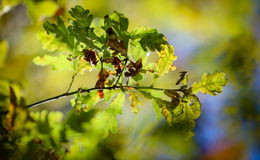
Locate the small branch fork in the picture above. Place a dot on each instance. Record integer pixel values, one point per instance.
(126, 60)
(80, 90)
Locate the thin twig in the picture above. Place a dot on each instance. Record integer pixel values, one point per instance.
(126, 60)
(65, 95)
(102, 66)
(91, 89)
(101, 60)
(72, 80)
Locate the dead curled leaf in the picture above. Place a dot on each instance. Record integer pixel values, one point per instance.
(116, 62)
(102, 77)
(117, 46)
(134, 68)
(90, 56)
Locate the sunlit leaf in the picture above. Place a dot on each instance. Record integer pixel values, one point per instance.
(195, 105)
(50, 43)
(210, 83)
(157, 109)
(135, 50)
(109, 94)
(85, 102)
(161, 107)
(183, 117)
(113, 110)
(106, 121)
(134, 101)
(185, 114)
(59, 62)
(165, 62)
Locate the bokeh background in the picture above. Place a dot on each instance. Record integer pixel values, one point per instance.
(208, 36)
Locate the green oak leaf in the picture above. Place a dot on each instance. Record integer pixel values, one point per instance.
(82, 17)
(80, 27)
(165, 62)
(113, 110)
(50, 43)
(210, 83)
(110, 94)
(185, 115)
(118, 23)
(148, 38)
(135, 50)
(106, 121)
(59, 62)
(161, 107)
(85, 102)
(157, 109)
(60, 31)
(134, 101)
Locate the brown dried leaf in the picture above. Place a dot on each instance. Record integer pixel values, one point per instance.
(117, 45)
(134, 68)
(90, 56)
(115, 61)
(102, 77)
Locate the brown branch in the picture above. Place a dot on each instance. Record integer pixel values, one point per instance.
(91, 89)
